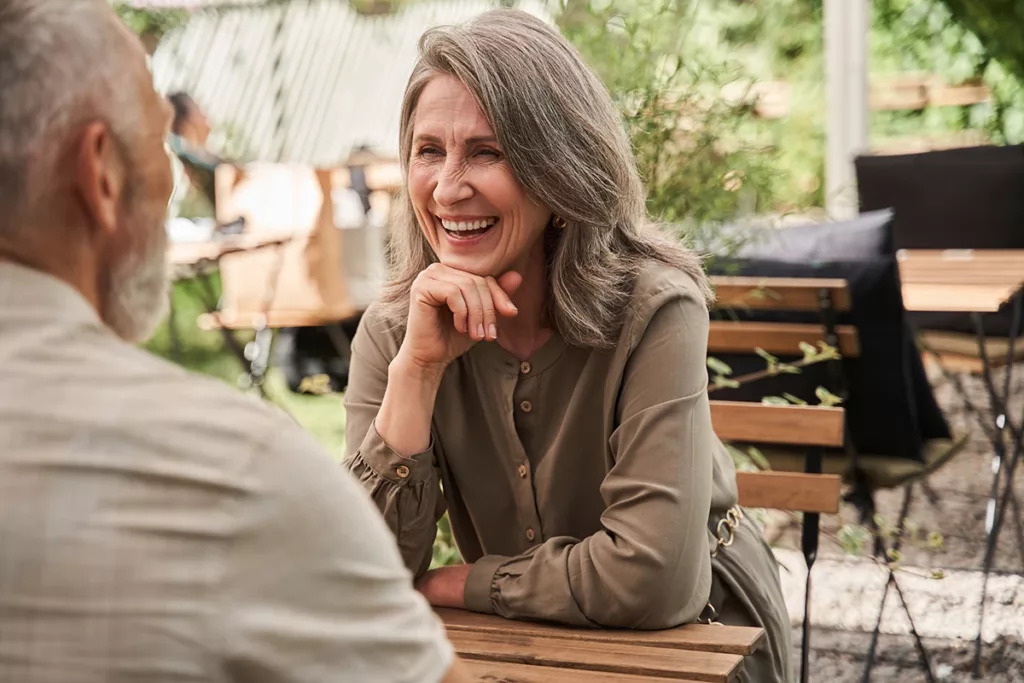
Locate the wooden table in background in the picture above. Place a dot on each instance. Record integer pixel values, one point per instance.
(975, 282)
(960, 280)
(525, 652)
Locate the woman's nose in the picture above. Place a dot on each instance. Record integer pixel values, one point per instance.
(452, 185)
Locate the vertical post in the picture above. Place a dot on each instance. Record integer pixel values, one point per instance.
(847, 23)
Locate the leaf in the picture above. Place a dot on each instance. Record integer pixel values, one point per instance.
(936, 541)
(796, 400)
(808, 350)
(853, 538)
(772, 360)
(938, 574)
(787, 369)
(894, 555)
(774, 401)
(725, 382)
(718, 367)
(757, 457)
(826, 397)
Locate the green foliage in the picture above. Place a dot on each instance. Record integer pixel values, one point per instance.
(445, 550)
(689, 138)
(150, 22)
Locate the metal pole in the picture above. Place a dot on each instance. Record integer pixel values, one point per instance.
(847, 23)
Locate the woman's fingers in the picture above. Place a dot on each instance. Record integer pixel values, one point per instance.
(448, 294)
(478, 303)
(502, 301)
(488, 304)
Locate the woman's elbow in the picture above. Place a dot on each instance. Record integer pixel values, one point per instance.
(664, 597)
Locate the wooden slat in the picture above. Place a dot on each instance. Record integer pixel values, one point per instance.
(778, 293)
(960, 298)
(759, 423)
(504, 672)
(776, 338)
(789, 491)
(635, 660)
(738, 640)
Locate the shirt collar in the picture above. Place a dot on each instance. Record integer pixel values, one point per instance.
(29, 293)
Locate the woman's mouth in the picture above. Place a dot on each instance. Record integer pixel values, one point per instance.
(467, 229)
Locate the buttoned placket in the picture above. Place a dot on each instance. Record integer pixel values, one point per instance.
(523, 403)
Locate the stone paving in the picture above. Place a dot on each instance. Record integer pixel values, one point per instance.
(847, 590)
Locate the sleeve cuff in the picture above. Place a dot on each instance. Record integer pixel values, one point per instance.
(480, 584)
(388, 464)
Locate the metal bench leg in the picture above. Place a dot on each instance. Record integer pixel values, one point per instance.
(809, 545)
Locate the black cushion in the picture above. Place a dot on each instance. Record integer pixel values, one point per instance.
(971, 198)
(866, 236)
(890, 409)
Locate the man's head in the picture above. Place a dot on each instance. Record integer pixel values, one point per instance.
(189, 121)
(84, 175)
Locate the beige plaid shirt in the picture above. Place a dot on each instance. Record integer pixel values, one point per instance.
(156, 526)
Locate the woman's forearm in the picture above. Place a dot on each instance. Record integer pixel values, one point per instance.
(403, 421)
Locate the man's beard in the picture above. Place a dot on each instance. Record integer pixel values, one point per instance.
(137, 298)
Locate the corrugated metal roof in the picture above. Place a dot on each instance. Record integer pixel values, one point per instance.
(338, 83)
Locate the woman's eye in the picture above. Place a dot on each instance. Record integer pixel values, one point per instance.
(490, 153)
(429, 151)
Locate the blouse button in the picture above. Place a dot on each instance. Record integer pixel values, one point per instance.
(522, 471)
(526, 406)
(525, 368)
(402, 471)
(530, 535)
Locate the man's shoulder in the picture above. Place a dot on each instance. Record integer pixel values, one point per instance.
(150, 399)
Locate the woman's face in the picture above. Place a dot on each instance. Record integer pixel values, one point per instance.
(474, 213)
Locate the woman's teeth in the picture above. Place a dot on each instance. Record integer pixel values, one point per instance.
(467, 229)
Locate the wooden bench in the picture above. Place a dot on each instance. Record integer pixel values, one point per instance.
(827, 297)
(528, 652)
(810, 492)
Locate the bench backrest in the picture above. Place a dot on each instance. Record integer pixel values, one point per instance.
(755, 423)
(811, 426)
(778, 294)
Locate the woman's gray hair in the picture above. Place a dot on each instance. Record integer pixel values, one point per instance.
(566, 144)
(59, 67)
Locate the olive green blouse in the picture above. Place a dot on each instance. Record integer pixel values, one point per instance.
(579, 483)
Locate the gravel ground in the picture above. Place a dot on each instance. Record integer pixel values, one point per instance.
(847, 591)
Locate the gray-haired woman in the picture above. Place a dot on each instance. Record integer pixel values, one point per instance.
(536, 366)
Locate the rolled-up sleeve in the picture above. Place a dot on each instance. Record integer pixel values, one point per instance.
(649, 566)
(406, 490)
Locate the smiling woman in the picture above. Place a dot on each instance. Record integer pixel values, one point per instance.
(539, 356)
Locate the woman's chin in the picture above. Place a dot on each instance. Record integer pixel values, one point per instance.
(468, 264)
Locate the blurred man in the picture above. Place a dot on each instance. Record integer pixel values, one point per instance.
(153, 525)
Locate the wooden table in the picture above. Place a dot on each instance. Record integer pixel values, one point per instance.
(976, 282)
(960, 280)
(189, 254)
(527, 652)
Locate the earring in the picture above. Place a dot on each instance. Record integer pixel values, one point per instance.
(558, 222)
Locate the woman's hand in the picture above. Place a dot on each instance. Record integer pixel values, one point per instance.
(450, 310)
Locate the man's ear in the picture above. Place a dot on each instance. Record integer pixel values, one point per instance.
(99, 175)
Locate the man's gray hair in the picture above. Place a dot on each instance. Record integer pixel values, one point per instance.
(59, 62)
(566, 144)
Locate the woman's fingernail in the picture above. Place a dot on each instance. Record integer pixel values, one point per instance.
(480, 330)
(493, 330)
